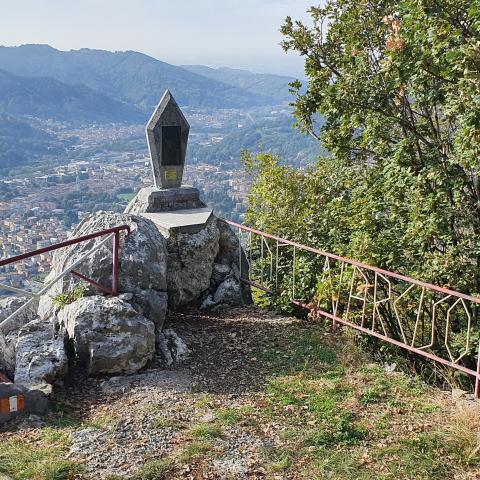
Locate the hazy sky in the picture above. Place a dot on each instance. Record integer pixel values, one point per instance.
(237, 33)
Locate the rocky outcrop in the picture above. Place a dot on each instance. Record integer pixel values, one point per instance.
(201, 266)
(31, 353)
(40, 354)
(143, 259)
(199, 263)
(172, 347)
(9, 332)
(108, 334)
(230, 266)
(151, 304)
(190, 265)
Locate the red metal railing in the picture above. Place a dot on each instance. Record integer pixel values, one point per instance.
(428, 320)
(115, 232)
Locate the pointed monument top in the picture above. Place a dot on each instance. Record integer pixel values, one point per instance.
(167, 103)
(167, 136)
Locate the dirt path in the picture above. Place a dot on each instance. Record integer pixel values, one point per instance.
(151, 415)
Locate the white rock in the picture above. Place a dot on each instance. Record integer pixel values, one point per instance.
(172, 347)
(143, 259)
(229, 293)
(9, 332)
(190, 264)
(151, 379)
(40, 354)
(108, 334)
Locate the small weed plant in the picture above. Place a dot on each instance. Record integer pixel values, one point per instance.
(66, 298)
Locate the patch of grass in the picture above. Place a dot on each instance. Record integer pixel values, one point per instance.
(229, 416)
(159, 469)
(462, 434)
(62, 415)
(103, 422)
(152, 408)
(317, 396)
(39, 457)
(372, 395)
(344, 417)
(165, 422)
(206, 430)
(194, 451)
(205, 400)
(279, 460)
(421, 457)
(327, 463)
(309, 352)
(340, 430)
(428, 408)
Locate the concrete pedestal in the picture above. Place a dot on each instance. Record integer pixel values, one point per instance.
(153, 200)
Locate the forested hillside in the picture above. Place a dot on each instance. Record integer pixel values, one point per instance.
(49, 98)
(22, 144)
(128, 77)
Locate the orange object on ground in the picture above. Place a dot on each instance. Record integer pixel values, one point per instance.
(12, 404)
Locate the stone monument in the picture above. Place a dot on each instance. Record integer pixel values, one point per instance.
(169, 203)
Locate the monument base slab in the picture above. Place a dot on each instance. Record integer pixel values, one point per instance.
(153, 200)
(181, 221)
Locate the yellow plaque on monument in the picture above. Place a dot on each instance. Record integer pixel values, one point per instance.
(170, 175)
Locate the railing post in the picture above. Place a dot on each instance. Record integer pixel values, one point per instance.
(294, 271)
(477, 378)
(240, 238)
(116, 261)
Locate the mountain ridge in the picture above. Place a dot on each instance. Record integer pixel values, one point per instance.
(46, 97)
(275, 86)
(128, 77)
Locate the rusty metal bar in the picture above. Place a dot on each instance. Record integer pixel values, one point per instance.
(67, 243)
(357, 264)
(92, 282)
(418, 351)
(115, 231)
(116, 263)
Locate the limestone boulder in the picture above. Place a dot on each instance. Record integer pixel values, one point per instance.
(143, 262)
(152, 305)
(228, 245)
(226, 286)
(220, 272)
(228, 293)
(9, 332)
(190, 265)
(108, 334)
(172, 347)
(40, 356)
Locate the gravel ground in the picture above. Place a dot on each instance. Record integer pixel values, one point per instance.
(128, 421)
(211, 416)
